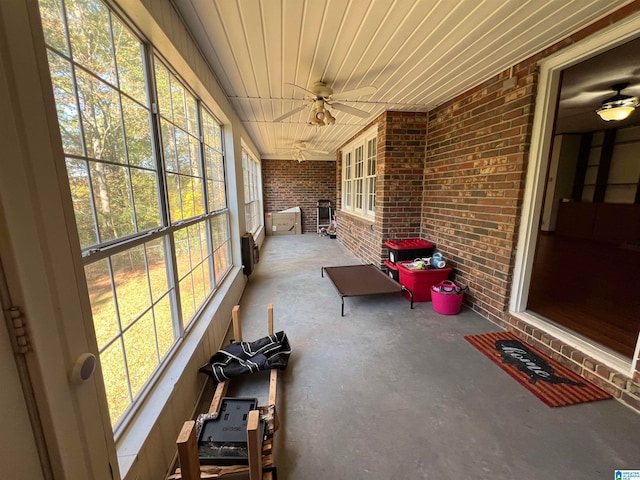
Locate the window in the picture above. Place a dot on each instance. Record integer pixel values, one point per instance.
(251, 173)
(148, 191)
(359, 175)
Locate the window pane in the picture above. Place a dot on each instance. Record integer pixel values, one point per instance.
(164, 325)
(103, 307)
(194, 155)
(178, 103)
(101, 119)
(91, 37)
(218, 198)
(78, 175)
(372, 195)
(163, 90)
(195, 244)
(186, 299)
(173, 192)
(132, 284)
(112, 200)
(169, 146)
(198, 197)
(206, 276)
(157, 268)
(183, 261)
(66, 106)
(219, 230)
(182, 150)
(145, 196)
(186, 197)
(192, 118)
(359, 193)
(198, 286)
(115, 380)
(138, 134)
(142, 353)
(53, 26)
(129, 59)
(222, 261)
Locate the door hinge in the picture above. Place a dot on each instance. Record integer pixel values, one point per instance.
(19, 337)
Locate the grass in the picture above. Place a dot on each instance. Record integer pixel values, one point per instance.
(144, 305)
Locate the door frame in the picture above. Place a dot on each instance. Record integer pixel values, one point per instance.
(539, 156)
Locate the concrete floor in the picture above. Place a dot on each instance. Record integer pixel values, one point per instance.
(386, 392)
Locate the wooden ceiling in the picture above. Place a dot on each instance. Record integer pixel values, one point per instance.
(417, 53)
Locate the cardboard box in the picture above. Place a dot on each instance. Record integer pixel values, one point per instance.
(285, 222)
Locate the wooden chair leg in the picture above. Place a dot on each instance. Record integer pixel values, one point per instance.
(188, 452)
(254, 442)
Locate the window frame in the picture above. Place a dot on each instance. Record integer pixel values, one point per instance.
(213, 245)
(252, 199)
(359, 160)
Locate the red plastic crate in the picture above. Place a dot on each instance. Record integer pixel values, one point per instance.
(392, 270)
(419, 282)
(408, 249)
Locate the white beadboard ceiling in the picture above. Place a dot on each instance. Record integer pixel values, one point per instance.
(417, 53)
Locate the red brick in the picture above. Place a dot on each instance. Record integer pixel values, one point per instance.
(590, 364)
(603, 384)
(619, 381)
(631, 400)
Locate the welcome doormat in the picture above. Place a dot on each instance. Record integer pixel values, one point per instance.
(547, 379)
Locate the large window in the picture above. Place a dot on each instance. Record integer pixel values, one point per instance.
(359, 175)
(251, 174)
(145, 166)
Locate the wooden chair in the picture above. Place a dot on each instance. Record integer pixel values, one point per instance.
(261, 455)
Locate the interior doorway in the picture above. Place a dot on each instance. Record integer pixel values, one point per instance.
(586, 268)
(551, 112)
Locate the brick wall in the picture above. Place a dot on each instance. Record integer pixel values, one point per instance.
(287, 183)
(473, 183)
(399, 170)
(477, 153)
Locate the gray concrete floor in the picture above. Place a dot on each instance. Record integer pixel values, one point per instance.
(386, 392)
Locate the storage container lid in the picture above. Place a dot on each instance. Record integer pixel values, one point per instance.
(408, 244)
(390, 265)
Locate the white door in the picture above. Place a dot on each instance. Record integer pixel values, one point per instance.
(18, 452)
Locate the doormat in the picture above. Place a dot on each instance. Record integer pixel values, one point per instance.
(547, 379)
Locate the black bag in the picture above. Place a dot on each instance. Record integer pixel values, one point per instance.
(239, 358)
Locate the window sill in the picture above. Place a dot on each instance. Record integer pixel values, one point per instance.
(145, 428)
(368, 220)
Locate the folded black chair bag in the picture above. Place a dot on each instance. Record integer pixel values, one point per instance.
(239, 358)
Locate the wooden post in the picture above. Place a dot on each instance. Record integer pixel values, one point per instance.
(221, 391)
(254, 444)
(270, 319)
(188, 452)
(237, 331)
(273, 377)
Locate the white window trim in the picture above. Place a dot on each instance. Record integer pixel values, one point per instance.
(349, 204)
(541, 138)
(253, 190)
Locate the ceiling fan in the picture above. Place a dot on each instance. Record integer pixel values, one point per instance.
(321, 95)
(300, 150)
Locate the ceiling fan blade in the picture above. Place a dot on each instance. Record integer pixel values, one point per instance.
(306, 92)
(350, 110)
(317, 151)
(353, 94)
(288, 114)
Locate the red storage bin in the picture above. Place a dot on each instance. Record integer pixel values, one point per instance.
(408, 249)
(419, 282)
(392, 270)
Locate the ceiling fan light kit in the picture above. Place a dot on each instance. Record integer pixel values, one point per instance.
(319, 115)
(619, 106)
